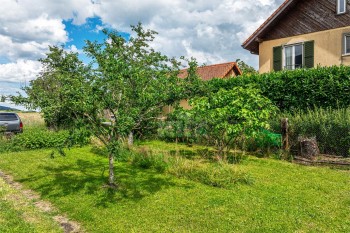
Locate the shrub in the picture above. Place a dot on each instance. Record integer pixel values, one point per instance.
(35, 139)
(40, 138)
(224, 116)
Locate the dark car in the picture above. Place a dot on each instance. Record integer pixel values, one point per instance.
(10, 122)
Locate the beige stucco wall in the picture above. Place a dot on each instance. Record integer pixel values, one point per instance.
(168, 109)
(328, 48)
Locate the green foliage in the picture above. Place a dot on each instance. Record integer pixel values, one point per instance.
(178, 127)
(120, 93)
(245, 68)
(35, 139)
(297, 89)
(58, 88)
(224, 116)
(330, 126)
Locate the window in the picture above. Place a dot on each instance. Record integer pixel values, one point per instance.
(8, 117)
(347, 44)
(341, 6)
(293, 56)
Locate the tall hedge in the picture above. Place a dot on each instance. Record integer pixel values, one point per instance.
(298, 89)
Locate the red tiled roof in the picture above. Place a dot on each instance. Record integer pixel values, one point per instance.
(248, 44)
(214, 71)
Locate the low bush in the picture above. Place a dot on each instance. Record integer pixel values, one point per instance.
(331, 127)
(34, 139)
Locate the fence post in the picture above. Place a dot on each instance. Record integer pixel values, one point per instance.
(285, 139)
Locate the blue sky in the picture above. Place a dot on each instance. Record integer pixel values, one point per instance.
(210, 31)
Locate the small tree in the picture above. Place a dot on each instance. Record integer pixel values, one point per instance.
(122, 91)
(224, 116)
(129, 86)
(57, 89)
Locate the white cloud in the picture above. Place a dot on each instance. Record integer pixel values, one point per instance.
(20, 71)
(211, 31)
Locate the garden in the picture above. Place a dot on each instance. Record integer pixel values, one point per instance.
(101, 157)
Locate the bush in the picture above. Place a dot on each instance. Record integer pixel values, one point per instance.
(34, 139)
(330, 127)
(298, 89)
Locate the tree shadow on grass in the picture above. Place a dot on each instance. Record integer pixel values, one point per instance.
(89, 178)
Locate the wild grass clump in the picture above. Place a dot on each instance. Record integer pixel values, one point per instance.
(219, 174)
(147, 160)
(331, 127)
(204, 170)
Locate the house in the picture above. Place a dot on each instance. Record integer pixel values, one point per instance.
(224, 70)
(303, 33)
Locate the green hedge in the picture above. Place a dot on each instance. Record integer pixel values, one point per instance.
(299, 89)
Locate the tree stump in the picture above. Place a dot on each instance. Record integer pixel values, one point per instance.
(308, 147)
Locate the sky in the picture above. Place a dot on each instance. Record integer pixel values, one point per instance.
(211, 31)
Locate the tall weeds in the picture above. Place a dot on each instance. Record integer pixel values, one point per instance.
(330, 126)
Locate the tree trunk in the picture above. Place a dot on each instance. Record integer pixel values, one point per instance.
(308, 147)
(131, 139)
(285, 134)
(111, 169)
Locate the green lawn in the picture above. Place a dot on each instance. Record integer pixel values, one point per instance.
(19, 214)
(283, 198)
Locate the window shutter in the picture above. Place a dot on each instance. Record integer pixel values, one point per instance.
(277, 58)
(309, 54)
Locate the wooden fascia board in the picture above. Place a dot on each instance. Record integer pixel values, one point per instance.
(266, 24)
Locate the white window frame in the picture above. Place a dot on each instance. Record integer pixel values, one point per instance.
(339, 4)
(293, 55)
(345, 36)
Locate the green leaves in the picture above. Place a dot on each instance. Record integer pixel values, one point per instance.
(297, 89)
(228, 114)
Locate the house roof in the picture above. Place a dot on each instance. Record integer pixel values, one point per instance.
(214, 71)
(252, 43)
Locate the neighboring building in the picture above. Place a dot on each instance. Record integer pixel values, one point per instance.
(224, 70)
(303, 33)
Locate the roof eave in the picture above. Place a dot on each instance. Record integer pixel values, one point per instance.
(255, 37)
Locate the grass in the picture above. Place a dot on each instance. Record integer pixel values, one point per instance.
(283, 198)
(31, 119)
(18, 214)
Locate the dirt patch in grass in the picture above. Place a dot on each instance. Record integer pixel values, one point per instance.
(67, 225)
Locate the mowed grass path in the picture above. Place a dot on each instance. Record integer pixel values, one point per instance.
(19, 214)
(283, 198)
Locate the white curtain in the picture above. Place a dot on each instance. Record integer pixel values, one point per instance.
(288, 51)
